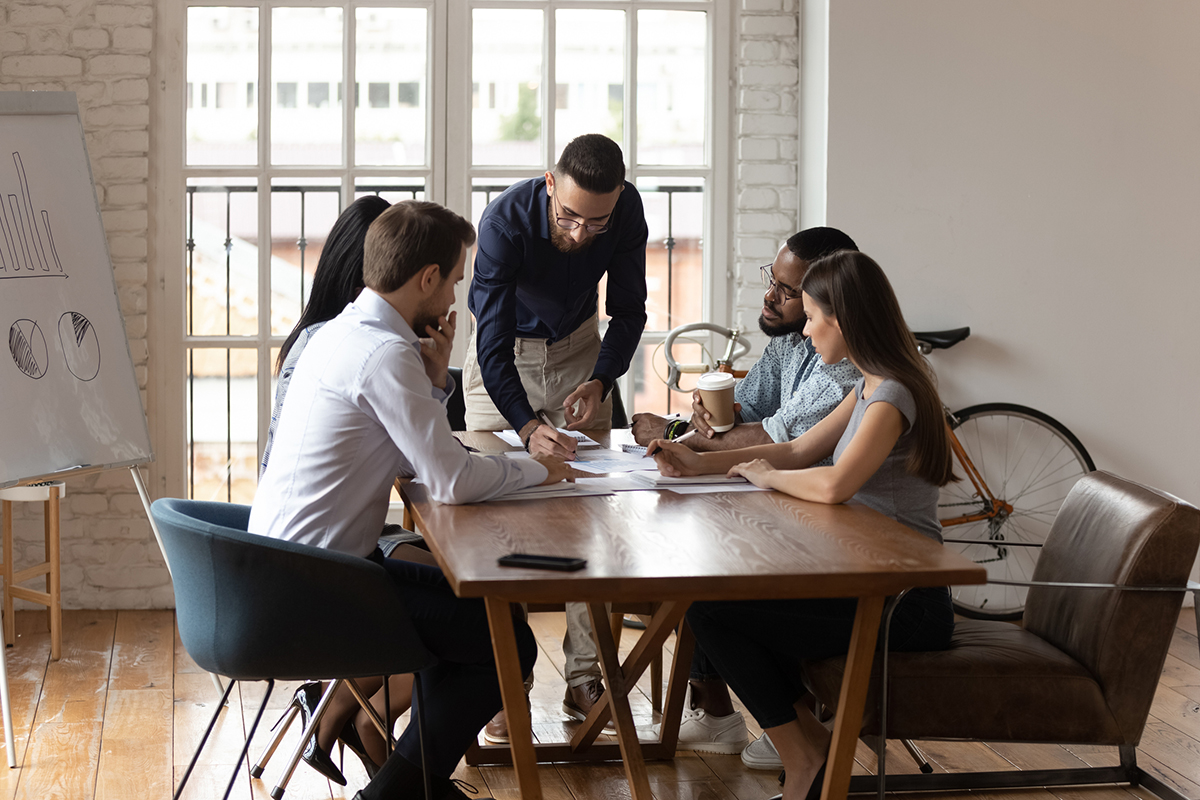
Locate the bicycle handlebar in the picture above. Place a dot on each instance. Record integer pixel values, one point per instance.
(735, 350)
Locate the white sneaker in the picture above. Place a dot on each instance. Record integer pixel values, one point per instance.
(761, 754)
(702, 731)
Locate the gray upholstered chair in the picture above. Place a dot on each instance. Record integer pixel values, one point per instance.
(1099, 619)
(253, 608)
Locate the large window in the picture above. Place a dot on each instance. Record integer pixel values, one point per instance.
(449, 102)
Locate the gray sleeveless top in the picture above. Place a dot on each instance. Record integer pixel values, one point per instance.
(892, 490)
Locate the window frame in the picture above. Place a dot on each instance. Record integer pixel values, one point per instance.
(448, 176)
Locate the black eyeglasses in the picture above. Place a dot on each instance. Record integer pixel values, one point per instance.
(568, 224)
(768, 279)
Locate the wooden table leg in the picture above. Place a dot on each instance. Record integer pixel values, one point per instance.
(512, 691)
(648, 644)
(618, 702)
(681, 670)
(853, 697)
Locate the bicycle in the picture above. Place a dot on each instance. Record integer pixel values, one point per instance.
(1033, 461)
(1017, 465)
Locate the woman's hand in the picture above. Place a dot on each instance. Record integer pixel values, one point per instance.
(758, 472)
(675, 460)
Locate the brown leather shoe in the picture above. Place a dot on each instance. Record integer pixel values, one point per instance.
(578, 702)
(496, 731)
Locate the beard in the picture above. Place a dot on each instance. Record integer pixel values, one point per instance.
(426, 316)
(780, 328)
(561, 241)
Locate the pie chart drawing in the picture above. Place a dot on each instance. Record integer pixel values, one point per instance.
(28, 348)
(80, 345)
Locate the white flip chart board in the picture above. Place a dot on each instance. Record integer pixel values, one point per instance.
(69, 397)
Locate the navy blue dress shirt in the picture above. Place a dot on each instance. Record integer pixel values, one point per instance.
(523, 286)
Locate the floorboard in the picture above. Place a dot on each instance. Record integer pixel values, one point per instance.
(119, 716)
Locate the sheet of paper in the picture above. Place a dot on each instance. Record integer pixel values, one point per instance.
(715, 488)
(664, 482)
(561, 489)
(612, 483)
(583, 440)
(602, 465)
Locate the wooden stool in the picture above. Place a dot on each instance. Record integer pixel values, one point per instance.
(48, 493)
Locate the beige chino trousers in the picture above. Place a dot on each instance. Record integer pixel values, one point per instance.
(548, 373)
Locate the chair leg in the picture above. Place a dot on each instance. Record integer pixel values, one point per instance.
(917, 756)
(195, 756)
(307, 734)
(7, 709)
(282, 726)
(10, 630)
(419, 711)
(53, 580)
(250, 735)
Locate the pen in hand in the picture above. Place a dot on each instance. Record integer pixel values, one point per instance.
(683, 438)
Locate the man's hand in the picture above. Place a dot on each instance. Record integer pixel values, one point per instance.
(701, 416)
(435, 349)
(559, 470)
(544, 440)
(588, 396)
(648, 427)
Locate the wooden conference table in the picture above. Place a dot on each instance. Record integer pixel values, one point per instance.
(673, 549)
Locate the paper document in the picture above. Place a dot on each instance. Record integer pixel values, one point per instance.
(511, 437)
(663, 482)
(600, 460)
(553, 490)
(714, 488)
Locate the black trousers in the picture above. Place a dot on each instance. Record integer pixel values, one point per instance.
(461, 692)
(757, 645)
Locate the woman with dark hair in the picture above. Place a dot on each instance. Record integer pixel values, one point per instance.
(337, 281)
(890, 452)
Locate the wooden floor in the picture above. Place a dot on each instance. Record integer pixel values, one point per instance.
(119, 716)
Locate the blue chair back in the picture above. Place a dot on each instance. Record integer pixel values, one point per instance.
(254, 608)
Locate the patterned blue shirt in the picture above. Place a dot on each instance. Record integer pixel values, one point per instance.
(790, 388)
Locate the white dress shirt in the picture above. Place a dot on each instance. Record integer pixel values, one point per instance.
(359, 412)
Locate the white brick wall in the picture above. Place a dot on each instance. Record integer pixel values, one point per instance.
(766, 147)
(100, 51)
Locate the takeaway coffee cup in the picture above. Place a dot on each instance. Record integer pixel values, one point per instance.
(716, 392)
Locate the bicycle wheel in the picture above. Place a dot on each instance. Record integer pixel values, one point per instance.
(1027, 460)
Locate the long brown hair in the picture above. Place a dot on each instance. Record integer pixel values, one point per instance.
(852, 288)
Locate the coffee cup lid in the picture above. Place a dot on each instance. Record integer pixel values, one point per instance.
(715, 381)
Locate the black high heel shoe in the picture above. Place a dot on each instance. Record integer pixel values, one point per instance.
(306, 699)
(814, 791)
(349, 738)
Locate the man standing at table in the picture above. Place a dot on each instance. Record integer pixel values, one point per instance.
(536, 355)
(367, 403)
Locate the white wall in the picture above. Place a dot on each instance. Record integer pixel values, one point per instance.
(1031, 168)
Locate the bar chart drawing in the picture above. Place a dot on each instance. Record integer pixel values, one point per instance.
(28, 249)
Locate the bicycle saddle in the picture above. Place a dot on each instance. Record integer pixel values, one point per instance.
(940, 340)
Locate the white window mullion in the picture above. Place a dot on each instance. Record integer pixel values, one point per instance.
(550, 23)
(631, 148)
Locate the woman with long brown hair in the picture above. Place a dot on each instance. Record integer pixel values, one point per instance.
(890, 452)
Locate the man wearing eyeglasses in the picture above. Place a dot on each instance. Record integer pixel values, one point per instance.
(536, 361)
(789, 389)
